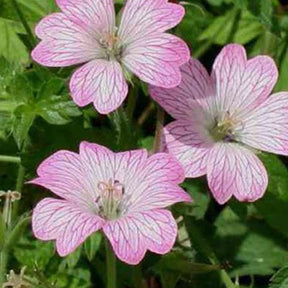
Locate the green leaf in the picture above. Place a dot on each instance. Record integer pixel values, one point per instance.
(280, 279)
(215, 2)
(195, 21)
(52, 87)
(36, 9)
(33, 10)
(177, 262)
(21, 90)
(23, 119)
(51, 105)
(201, 196)
(147, 143)
(219, 30)
(30, 251)
(72, 278)
(71, 260)
(57, 110)
(250, 245)
(11, 47)
(92, 245)
(273, 206)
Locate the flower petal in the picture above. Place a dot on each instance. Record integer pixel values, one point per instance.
(186, 141)
(156, 59)
(148, 183)
(143, 17)
(266, 127)
(64, 42)
(164, 167)
(193, 93)
(100, 161)
(63, 174)
(155, 185)
(132, 236)
(101, 82)
(242, 85)
(235, 170)
(96, 16)
(64, 222)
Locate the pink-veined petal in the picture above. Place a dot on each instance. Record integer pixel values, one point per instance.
(64, 42)
(156, 59)
(147, 183)
(266, 127)
(187, 141)
(63, 174)
(143, 17)
(101, 82)
(242, 85)
(64, 222)
(155, 186)
(95, 16)
(155, 196)
(234, 170)
(100, 161)
(193, 93)
(128, 164)
(132, 236)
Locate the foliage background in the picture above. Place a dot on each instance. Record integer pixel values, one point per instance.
(37, 117)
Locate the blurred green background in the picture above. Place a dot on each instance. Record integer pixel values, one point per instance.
(37, 117)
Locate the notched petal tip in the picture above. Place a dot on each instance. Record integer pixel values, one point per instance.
(96, 148)
(171, 165)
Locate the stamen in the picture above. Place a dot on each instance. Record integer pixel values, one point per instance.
(224, 128)
(110, 198)
(111, 45)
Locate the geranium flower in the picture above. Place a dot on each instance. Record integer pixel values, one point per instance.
(86, 32)
(122, 193)
(223, 119)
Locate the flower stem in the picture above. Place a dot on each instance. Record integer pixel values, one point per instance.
(204, 247)
(19, 187)
(3, 265)
(110, 266)
(25, 24)
(132, 97)
(159, 129)
(10, 159)
(20, 178)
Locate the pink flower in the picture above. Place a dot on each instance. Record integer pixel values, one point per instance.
(222, 119)
(122, 193)
(86, 32)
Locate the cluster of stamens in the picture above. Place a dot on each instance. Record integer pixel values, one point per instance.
(110, 45)
(224, 129)
(110, 199)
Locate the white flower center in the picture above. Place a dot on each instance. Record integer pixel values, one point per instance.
(111, 45)
(224, 128)
(110, 198)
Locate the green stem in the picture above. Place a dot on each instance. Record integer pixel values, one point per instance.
(3, 266)
(159, 129)
(10, 159)
(20, 178)
(28, 30)
(132, 97)
(204, 247)
(19, 187)
(110, 266)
